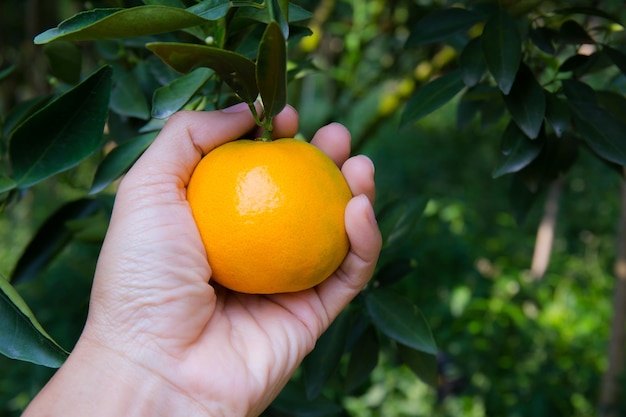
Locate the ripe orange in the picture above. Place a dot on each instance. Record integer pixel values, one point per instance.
(270, 214)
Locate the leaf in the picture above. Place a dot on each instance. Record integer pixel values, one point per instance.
(236, 70)
(440, 25)
(502, 47)
(424, 365)
(400, 319)
(601, 130)
(116, 23)
(320, 364)
(617, 57)
(276, 15)
(6, 72)
(576, 90)
(119, 160)
(211, 9)
(398, 218)
(127, 98)
(271, 70)
(296, 14)
(472, 62)
(363, 359)
(589, 11)
(518, 149)
(21, 335)
(6, 184)
(613, 102)
(526, 102)
(63, 133)
(577, 63)
(432, 96)
(557, 113)
(51, 239)
(21, 112)
(543, 38)
(172, 97)
(393, 271)
(571, 32)
(65, 61)
(292, 401)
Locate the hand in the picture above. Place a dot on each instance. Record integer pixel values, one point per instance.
(159, 340)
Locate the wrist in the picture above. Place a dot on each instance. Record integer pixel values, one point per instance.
(96, 381)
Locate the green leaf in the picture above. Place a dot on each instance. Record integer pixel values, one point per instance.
(293, 401)
(400, 319)
(398, 218)
(236, 70)
(432, 96)
(211, 9)
(128, 99)
(589, 11)
(271, 70)
(6, 72)
(51, 239)
(6, 184)
(557, 113)
(21, 335)
(572, 33)
(441, 25)
(119, 160)
(518, 151)
(65, 61)
(276, 15)
(543, 38)
(296, 14)
(320, 364)
(172, 97)
(63, 133)
(21, 112)
(393, 271)
(502, 47)
(424, 365)
(613, 102)
(472, 62)
(617, 57)
(578, 63)
(602, 131)
(526, 102)
(576, 90)
(363, 359)
(120, 23)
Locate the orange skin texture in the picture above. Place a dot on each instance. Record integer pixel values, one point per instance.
(270, 214)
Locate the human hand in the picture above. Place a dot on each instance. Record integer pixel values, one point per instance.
(159, 340)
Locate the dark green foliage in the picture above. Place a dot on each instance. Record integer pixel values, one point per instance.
(521, 91)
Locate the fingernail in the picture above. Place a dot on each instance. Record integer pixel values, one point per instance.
(237, 108)
(371, 216)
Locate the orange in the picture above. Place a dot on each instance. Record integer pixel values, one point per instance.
(270, 214)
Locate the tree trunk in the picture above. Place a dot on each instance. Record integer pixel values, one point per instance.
(545, 232)
(609, 395)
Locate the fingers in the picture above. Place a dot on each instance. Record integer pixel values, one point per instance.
(334, 140)
(358, 266)
(359, 174)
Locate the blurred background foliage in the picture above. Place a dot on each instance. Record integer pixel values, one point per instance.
(509, 343)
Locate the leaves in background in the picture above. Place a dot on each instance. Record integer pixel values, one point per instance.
(120, 23)
(293, 401)
(589, 11)
(271, 70)
(52, 236)
(526, 102)
(319, 365)
(236, 70)
(571, 32)
(128, 99)
(432, 96)
(557, 113)
(63, 133)
(363, 359)
(518, 151)
(172, 97)
(442, 24)
(399, 319)
(617, 57)
(502, 47)
(211, 10)
(472, 62)
(423, 364)
(21, 335)
(119, 160)
(65, 61)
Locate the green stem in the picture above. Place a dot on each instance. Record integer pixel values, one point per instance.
(268, 129)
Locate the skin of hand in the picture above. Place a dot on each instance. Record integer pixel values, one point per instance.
(159, 340)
